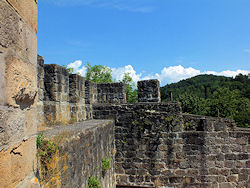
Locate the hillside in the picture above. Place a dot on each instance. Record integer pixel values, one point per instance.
(213, 96)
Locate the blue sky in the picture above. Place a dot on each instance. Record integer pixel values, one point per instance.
(165, 39)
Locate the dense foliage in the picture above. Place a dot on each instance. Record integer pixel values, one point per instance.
(131, 93)
(98, 73)
(213, 96)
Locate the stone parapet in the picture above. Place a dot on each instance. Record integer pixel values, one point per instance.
(149, 91)
(111, 93)
(82, 150)
(158, 146)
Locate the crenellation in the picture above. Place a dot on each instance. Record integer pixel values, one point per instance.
(67, 98)
(149, 91)
(111, 93)
(148, 144)
(157, 147)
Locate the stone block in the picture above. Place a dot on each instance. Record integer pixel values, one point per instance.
(232, 178)
(56, 83)
(31, 121)
(17, 162)
(21, 83)
(17, 38)
(111, 93)
(27, 10)
(226, 185)
(149, 91)
(12, 126)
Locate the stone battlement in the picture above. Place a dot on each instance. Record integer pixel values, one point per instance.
(67, 98)
(53, 132)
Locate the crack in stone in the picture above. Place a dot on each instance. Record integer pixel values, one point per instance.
(16, 153)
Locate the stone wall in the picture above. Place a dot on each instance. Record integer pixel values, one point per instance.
(149, 91)
(65, 98)
(111, 93)
(77, 98)
(81, 151)
(159, 146)
(18, 92)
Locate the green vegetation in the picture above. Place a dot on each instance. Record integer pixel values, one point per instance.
(39, 140)
(131, 93)
(188, 125)
(45, 149)
(106, 165)
(93, 182)
(47, 152)
(213, 96)
(70, 70)
(135, 123)
(169, 118)
(102, 74)
(98, 73)
(147, 122)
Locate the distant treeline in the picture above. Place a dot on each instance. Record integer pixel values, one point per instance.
(213, 96)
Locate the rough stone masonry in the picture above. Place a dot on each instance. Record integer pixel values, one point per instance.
(18, 92)
(151, 144)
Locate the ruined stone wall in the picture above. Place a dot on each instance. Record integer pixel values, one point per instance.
(81, 150)
(18, 92)
(159, 146)
(111, 93)
(149, 91)
(65, 98)
(77, 98)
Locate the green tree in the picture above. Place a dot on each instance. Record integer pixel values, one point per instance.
(131, 93)
(98, 73)
(70, 70)
(193, 104)
(209, 94)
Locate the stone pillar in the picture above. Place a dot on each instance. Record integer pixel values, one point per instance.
(77, 98)
(111, 93)
(90, 98)
(149, 91)
(18, 92)
(56, 95)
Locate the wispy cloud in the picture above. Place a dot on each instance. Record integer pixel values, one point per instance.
(247, 50)
(167, 75)
(143, 6)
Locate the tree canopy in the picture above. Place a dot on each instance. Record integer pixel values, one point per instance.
(131, 92)
(98, 73)
(213, 96)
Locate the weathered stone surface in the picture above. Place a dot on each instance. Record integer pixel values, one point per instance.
(17, 46)
(27, 10)
(149, 91)
(111, 93)
(81, 149)
(17, 162)
(12, 126)
(18, 91)
(21, 84)
(156, 144)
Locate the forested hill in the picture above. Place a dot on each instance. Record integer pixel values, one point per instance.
(213, 96)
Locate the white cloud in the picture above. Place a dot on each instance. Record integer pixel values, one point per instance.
(228, 73)
(78, 68)
(176, 73)
(167, 75)
(117, 73)
(247, 50)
